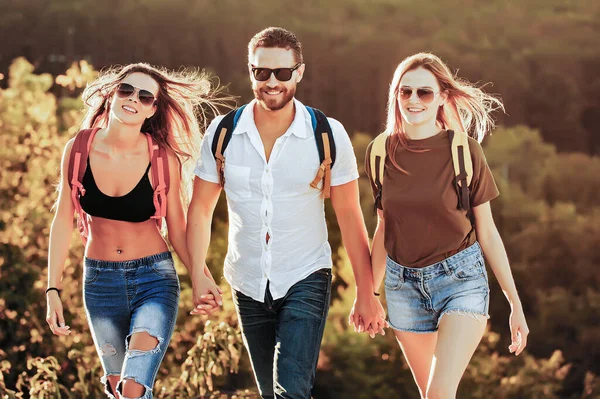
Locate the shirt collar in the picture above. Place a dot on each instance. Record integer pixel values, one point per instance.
(299, 126)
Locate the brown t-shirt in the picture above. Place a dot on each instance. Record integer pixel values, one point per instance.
(422, 223)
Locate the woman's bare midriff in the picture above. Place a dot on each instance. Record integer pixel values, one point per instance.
(114, 240)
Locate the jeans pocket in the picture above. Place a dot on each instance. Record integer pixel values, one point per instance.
(469, 271)
(164, 268)
(90, 275)
(392, 281)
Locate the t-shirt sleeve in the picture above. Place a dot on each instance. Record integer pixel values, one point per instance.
(483, 186)
(368, 172)
(344, 169)
(206, 166)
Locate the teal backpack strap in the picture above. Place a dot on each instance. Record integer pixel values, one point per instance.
(325, 146)
(221, 140)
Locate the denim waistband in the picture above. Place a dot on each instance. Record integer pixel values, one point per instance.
(447, 265)
(127, 264)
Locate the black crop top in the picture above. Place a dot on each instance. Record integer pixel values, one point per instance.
(135, 206)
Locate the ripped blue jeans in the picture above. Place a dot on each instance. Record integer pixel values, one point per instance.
(124, 298)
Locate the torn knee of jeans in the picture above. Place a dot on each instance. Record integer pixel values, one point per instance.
(132, 352)
(477, 316)
(107, 389)
(107, 349)
(120, 388)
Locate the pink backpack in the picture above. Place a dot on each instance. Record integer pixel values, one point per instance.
(78, 164)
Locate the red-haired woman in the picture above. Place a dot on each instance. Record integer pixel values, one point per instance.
(131, 289)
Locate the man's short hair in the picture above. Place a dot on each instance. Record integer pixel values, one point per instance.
(273, 37)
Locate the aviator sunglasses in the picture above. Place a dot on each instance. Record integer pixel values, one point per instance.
(281, 74)
(125, 90)
(425, 95)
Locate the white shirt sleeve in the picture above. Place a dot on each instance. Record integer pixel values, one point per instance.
(206, 167)
(344, 169)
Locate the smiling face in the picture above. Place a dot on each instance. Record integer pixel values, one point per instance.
(273, 94)
(419, 97)
(129, 110)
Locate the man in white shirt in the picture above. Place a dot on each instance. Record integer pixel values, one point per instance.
(279, 261)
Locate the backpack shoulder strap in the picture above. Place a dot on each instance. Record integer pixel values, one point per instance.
(159, 166)
(325, 146)
(321, 125)
(463, 168)
(79, 155)
(221, 140)
(77, 165)
(377, 165)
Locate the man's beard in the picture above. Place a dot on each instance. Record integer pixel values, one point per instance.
(273, 104)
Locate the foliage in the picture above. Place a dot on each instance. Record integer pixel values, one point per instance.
(547, 214)
(540, 55)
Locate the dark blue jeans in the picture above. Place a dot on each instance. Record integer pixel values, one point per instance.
(283, 336)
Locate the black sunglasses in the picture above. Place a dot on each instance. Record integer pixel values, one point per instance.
(424, 94)
(125, 90)
(281, 74)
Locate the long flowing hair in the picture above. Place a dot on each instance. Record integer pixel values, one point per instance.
(467, 108)
(186, 100)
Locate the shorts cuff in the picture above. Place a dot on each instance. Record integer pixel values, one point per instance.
(410, 330)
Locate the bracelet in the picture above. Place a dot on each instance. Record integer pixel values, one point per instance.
(376, 293)
(53, 289)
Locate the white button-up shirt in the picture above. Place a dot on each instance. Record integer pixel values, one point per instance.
(275, 198)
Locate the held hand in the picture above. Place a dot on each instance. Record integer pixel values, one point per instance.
(54, 315)
(206, 294)
(518, 330)
(207, 305)
(368, 315)
(381, 322)
(354, 320)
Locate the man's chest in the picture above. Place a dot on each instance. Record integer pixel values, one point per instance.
(291, 167)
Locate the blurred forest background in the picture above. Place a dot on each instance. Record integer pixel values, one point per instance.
(544, 61)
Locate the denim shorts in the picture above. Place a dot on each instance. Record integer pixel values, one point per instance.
(123, 298)
(417, 298)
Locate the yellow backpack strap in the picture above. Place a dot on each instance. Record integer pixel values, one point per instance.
(463, 168)
(377, 165)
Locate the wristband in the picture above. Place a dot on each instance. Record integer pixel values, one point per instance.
(53, 289)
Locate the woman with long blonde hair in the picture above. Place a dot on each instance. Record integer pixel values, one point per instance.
(125, 189)
(431, 250)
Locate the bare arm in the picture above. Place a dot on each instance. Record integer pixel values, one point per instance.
(60, 238)
(176, 224)
(495, 254)
(346, 203)
(200, 214)
(378, 254)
